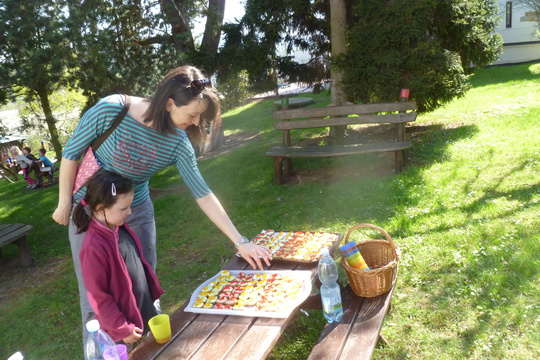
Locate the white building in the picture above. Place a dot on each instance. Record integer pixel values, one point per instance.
(518, 27)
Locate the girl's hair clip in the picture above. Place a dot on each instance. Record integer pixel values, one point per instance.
(113, 189)
(83, 202)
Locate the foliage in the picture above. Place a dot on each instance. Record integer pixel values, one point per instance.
(234, 91)
(427, 46)
(34, 53)
(109, 58)
(65, 104)
(268, 28)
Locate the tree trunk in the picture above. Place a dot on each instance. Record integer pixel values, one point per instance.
(338, 23)
(51, 122)
(212, 32)
(181, 33)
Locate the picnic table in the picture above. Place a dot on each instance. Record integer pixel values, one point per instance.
(204, 336)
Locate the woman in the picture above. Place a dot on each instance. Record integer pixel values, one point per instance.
(153, 135)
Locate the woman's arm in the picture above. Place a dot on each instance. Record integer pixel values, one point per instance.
(68, 170)
(250, 252)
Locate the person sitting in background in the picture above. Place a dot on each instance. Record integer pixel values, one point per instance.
(33, 165)
(48, 165)
(24, 163)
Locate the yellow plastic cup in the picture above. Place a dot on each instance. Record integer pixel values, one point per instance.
(160, 325)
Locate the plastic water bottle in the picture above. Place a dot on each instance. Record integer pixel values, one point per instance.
(330, 292)
(99, 345)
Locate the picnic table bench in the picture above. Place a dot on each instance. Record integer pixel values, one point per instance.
(204, 336)
(398, 113)
(16, 234)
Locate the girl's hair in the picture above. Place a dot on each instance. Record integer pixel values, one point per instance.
(28, 149)
(15, 150)
(102, 189)
(176, 85)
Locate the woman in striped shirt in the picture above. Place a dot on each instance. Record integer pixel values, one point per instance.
(154, 134)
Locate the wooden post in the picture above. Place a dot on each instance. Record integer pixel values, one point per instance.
(400, 155)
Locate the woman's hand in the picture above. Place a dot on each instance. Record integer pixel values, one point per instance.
(254, 253)
(61, 214)
(134, 336)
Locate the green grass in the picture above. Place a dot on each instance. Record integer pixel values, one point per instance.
(464, 213)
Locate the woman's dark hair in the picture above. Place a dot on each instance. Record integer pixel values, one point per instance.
(176, 85)
(102, 189)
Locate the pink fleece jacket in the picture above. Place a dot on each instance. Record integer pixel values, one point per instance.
(107, 281)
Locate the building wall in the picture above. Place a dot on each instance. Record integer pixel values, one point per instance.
(517, 31)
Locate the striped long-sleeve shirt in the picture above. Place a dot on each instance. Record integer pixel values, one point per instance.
(133, 149)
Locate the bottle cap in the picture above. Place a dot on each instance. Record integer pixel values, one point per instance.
(347, 246)
(92, 326)
(325, 252)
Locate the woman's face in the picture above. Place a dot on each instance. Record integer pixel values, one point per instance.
(183, 117)
(116, 215)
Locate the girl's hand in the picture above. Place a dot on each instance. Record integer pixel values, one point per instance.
(254, 253)
(134, 337)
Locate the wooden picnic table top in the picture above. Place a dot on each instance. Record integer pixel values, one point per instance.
(204, 336)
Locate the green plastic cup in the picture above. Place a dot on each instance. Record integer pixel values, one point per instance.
(160, 325)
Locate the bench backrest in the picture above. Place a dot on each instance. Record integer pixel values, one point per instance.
(334, 115)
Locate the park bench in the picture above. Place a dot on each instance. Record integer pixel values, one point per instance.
(16, 234)
(398, 113)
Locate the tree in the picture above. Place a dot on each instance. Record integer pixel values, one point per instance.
(428, 46)
(33, 53)
(268, 28)
(127, 46)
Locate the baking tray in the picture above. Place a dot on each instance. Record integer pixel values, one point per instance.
(303, 293)
(337, 240)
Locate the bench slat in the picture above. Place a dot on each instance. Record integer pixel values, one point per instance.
(361, 119)
(341, 110)
(334, 150)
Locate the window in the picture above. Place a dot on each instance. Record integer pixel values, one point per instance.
(509, 14)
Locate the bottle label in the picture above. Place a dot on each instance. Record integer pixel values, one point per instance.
(332, 305)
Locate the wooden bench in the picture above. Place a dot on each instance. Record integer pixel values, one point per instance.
(398, 113)
(16, 234)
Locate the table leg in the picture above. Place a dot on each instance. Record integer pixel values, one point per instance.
(24, 252)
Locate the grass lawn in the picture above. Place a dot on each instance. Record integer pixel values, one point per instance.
(464, 212)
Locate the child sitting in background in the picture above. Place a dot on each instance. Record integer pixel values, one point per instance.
(47, 164)
(33, 165)
(121, 285)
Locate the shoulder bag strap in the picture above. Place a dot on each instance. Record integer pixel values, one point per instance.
(97, 143)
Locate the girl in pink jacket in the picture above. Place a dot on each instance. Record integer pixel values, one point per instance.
(121, 285)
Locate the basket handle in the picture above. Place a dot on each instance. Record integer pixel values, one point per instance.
(375, 227)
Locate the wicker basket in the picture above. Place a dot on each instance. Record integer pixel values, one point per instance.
(382, 257)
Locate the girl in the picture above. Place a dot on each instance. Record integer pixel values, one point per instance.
(121, 285)
(24, 163)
